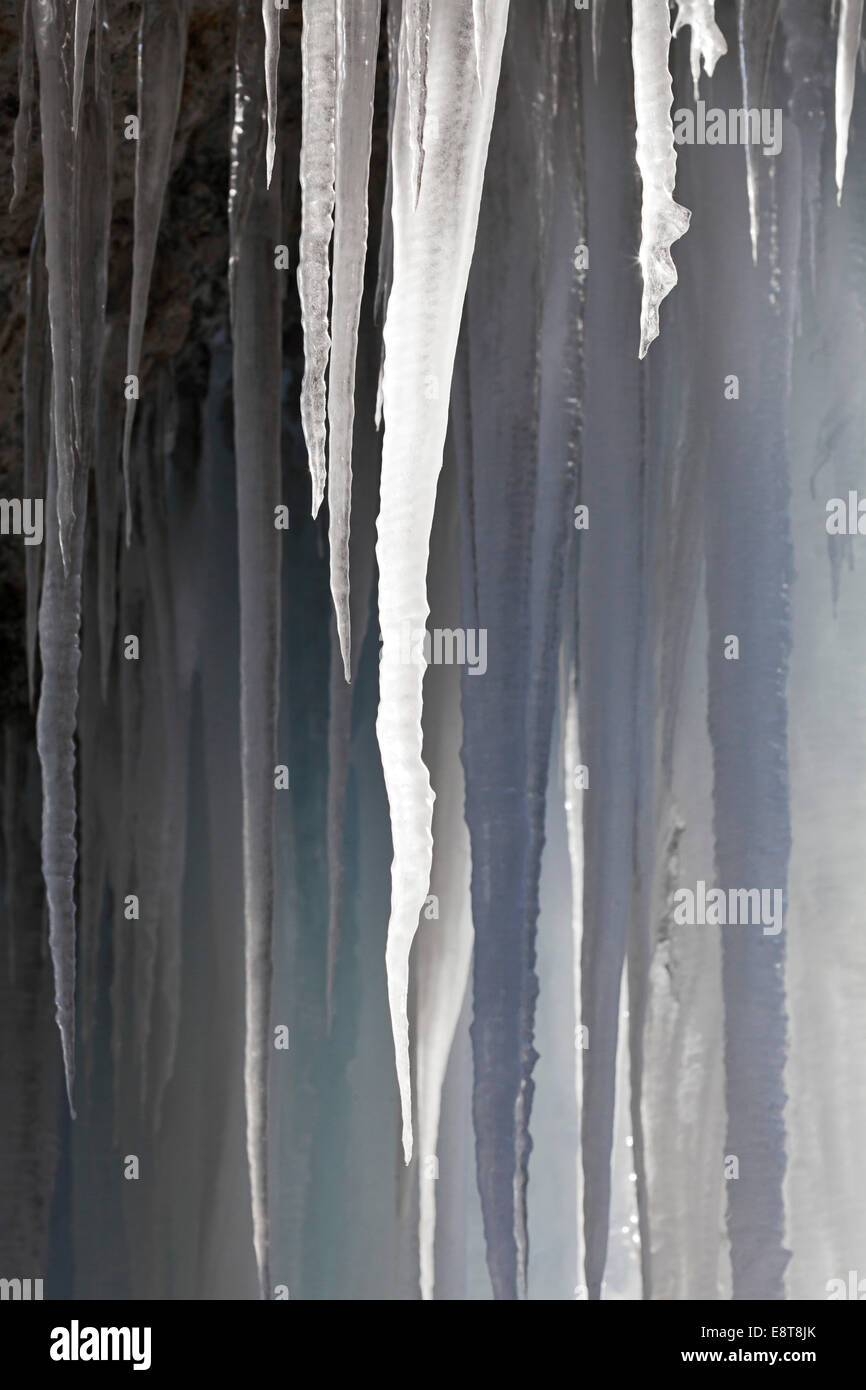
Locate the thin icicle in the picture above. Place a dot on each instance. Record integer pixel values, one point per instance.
(574, 829)
(271, 21)
(357, 41)
(26, 99)
(416, 17)
(161, 60)
(848, 46)
(36, 395)
(256, 317)
(755, 28)
(59, 621)
(708, 43)
(433, 244)
(317, 174)
(386, 242)
(83, 16)
(663, 221)
(53, 33)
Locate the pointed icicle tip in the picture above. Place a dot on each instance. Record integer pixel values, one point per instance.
(417, 43)
(708, 43)
(847, 49)
(271, 21)
(663, 221)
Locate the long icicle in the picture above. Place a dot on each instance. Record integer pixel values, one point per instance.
(662, 219)
(357, 41)
(52, 24)
(256, 314)
(271, 21)
(37, 424)
(317, 221)
(433, 245)
(161, 61)
(847, 49)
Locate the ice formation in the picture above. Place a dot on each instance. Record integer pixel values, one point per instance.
(233, 774)
(663, 221)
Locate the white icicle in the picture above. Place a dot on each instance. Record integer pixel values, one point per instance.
(83, 16)
(444, 950)
(317, 174)
(847, 48)
(271, 21)
(357, 41)
(662, 219)
(708, 43)
(479, 21)
(416, 17)
(433, 245)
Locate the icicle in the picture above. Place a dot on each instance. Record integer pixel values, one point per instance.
(807, 31)
(36, 396)
(317, 176)
(560, 396)
(850, 24)
(433, 243)
(663, 221)
(59, 621)
(574, 830)
(256, 314)
(444, 950)
(271, 21)
(53, 29)
(83, 16)
(386, 242)
(161, 61)
(479, 23)
(357, 42)
(708, 43)
(26, 98)
(755, 28)
(416, 18)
